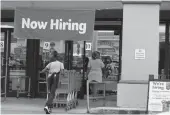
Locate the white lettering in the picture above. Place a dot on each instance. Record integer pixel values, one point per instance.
(25, 23)
(33, 25)
(82, 28)
(54, 24)
(57, 24)
(42, 25)
(65, 24)
(75, 26)
(61, 25)
(69, 24)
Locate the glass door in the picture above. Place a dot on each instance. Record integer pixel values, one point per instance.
(5, 48)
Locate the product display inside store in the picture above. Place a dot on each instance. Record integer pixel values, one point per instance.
(108, 46)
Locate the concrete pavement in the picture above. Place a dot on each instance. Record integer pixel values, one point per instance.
(35, 106)
(32, 106)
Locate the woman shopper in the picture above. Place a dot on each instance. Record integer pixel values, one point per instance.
(54, 68)
(94, 71)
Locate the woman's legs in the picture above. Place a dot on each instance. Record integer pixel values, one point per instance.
(94, 91)
(52, 83)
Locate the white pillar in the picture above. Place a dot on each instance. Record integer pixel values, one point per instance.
(62, 46)
(140, 31)
(94, 41)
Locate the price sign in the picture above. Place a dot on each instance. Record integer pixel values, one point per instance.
(1, 44)
(88, 46)
(46, 45)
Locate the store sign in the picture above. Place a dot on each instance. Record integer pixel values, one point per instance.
(88, 46)
(46, 46)
(139, 54)
(54, 24)
(159, 96)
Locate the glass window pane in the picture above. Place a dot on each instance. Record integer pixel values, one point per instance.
(107, 43)
(17, 62)
(108, 46)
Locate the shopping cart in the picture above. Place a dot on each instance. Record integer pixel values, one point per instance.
(66, 93)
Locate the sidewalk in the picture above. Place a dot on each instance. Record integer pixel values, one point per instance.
(35, 106)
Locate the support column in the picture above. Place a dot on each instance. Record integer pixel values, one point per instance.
(140, 31)
(62, 46)
(32, 62)
(94, 41)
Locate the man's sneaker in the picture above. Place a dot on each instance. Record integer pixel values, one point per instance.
(47, 110)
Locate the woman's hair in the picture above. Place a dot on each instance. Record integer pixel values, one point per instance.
(54, 56)
(95, 55)
(98, 55)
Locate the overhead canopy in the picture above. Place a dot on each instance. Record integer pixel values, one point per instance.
(54, 24)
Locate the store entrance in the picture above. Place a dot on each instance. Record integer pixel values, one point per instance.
(26, 57)
(71, 54)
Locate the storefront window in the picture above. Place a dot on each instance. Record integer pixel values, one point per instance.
(46, 48)
(107, 43)
(78, 54)
(17, 62)
(108, 46)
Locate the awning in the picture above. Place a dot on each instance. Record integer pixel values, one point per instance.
(54, 24)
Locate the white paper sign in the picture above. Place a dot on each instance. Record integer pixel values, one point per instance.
(1, 44)
(139, 54)
(88, 46)
(159, 94)
(46, 46)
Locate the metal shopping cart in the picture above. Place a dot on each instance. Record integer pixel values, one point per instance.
(66, 93)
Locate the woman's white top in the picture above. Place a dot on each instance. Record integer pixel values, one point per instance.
(95, 70)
